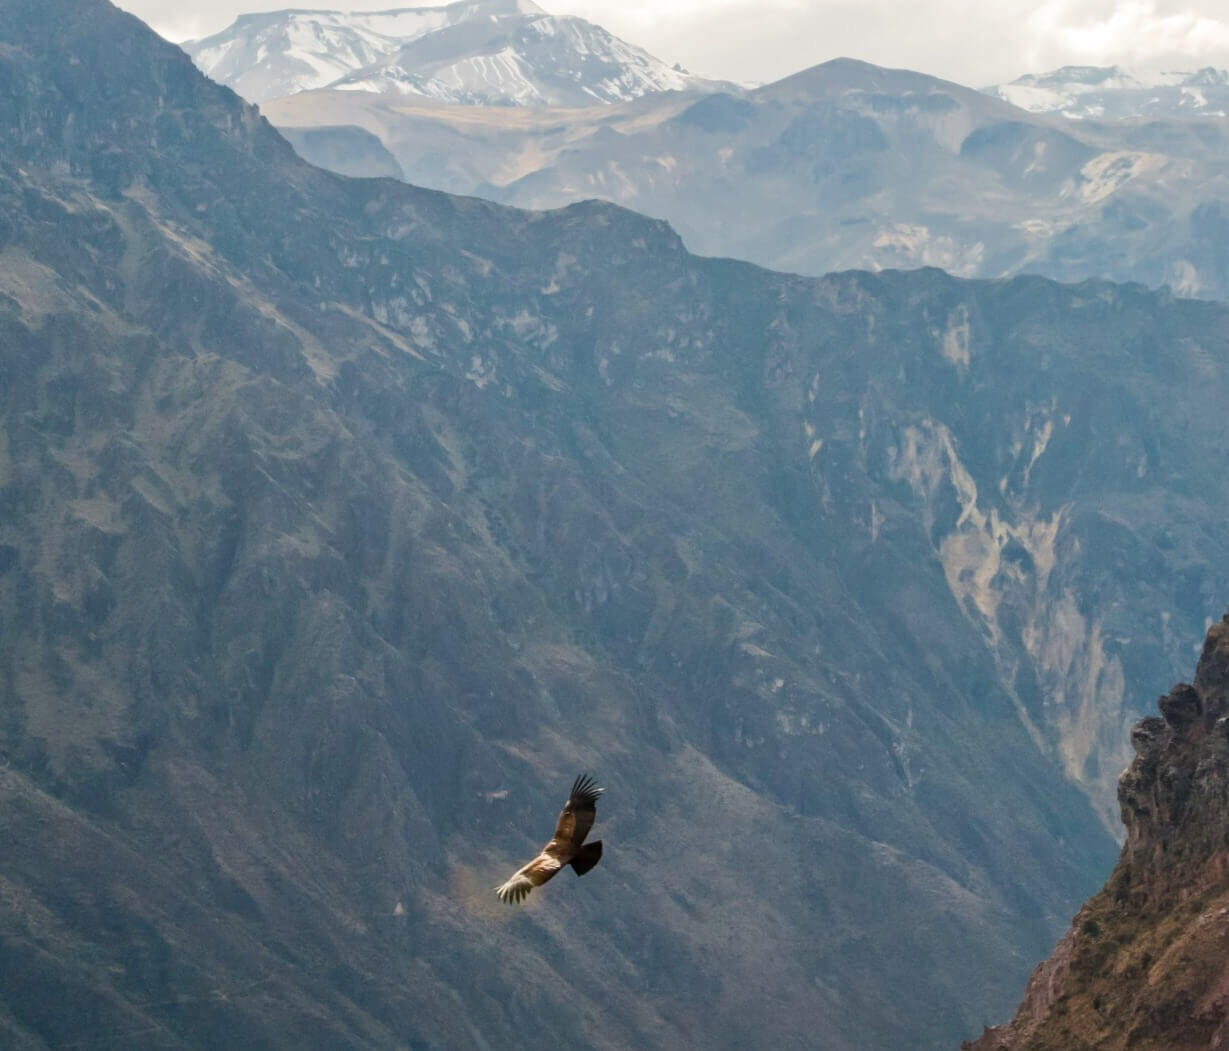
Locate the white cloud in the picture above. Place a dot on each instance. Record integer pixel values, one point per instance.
(1144, 33)
(971, 41)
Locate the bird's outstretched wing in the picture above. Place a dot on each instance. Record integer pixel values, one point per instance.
(577, 817)
(517, 888)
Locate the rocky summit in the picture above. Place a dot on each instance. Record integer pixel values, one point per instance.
(1146, 963)
(343, 523)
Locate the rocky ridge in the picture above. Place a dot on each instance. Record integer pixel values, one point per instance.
(1146, 963)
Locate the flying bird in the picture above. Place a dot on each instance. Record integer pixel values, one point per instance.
(567, 846)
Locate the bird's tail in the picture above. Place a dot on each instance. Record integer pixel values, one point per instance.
(588, 856)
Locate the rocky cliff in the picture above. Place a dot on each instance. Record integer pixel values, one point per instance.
(1146, 963)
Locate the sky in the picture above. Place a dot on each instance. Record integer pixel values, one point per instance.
(974, 42)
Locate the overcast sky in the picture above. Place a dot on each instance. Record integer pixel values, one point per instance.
(974, 42)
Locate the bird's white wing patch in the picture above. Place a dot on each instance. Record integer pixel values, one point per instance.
(515, 890)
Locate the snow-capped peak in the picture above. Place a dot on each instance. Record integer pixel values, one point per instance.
(530, 60)
(1112, 92)
(1208, 77)
(471, 51)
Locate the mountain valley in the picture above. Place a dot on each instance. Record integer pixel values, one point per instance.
(344, 522)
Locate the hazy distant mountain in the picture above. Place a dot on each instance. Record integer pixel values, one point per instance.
(1113, 93)
(844, 165)
(346, 150)
(493, 52)
(529, 60)
(274, 53)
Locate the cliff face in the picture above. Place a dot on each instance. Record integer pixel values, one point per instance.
(1146, 962)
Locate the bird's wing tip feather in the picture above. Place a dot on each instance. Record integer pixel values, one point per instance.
(515, 890)
(585, 787)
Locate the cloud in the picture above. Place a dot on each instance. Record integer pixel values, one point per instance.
(1143, 33)
(179, 20)
(969, 41)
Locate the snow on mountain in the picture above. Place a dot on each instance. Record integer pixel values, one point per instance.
(276, 53)
(491, 52)
(1114, 93)
(527, 60)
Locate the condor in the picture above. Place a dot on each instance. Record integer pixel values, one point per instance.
(567, 846)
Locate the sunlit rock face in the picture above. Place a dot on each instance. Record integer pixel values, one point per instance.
(344, 523)
(1143, 965)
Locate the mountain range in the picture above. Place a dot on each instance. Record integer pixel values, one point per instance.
(343, 522)
(472, 52)
(842, 166)
(1114, 93)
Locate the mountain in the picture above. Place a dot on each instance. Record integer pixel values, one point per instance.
(274, 53)
(491, 52)
(1144, 964)
(1112, 93)
(345, 522)
(346, 150)
(525, 60)
(843, 166)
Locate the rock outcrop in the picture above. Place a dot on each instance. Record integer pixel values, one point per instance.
(1145, 965)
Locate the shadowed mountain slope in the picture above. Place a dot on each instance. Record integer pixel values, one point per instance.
(345, 522)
